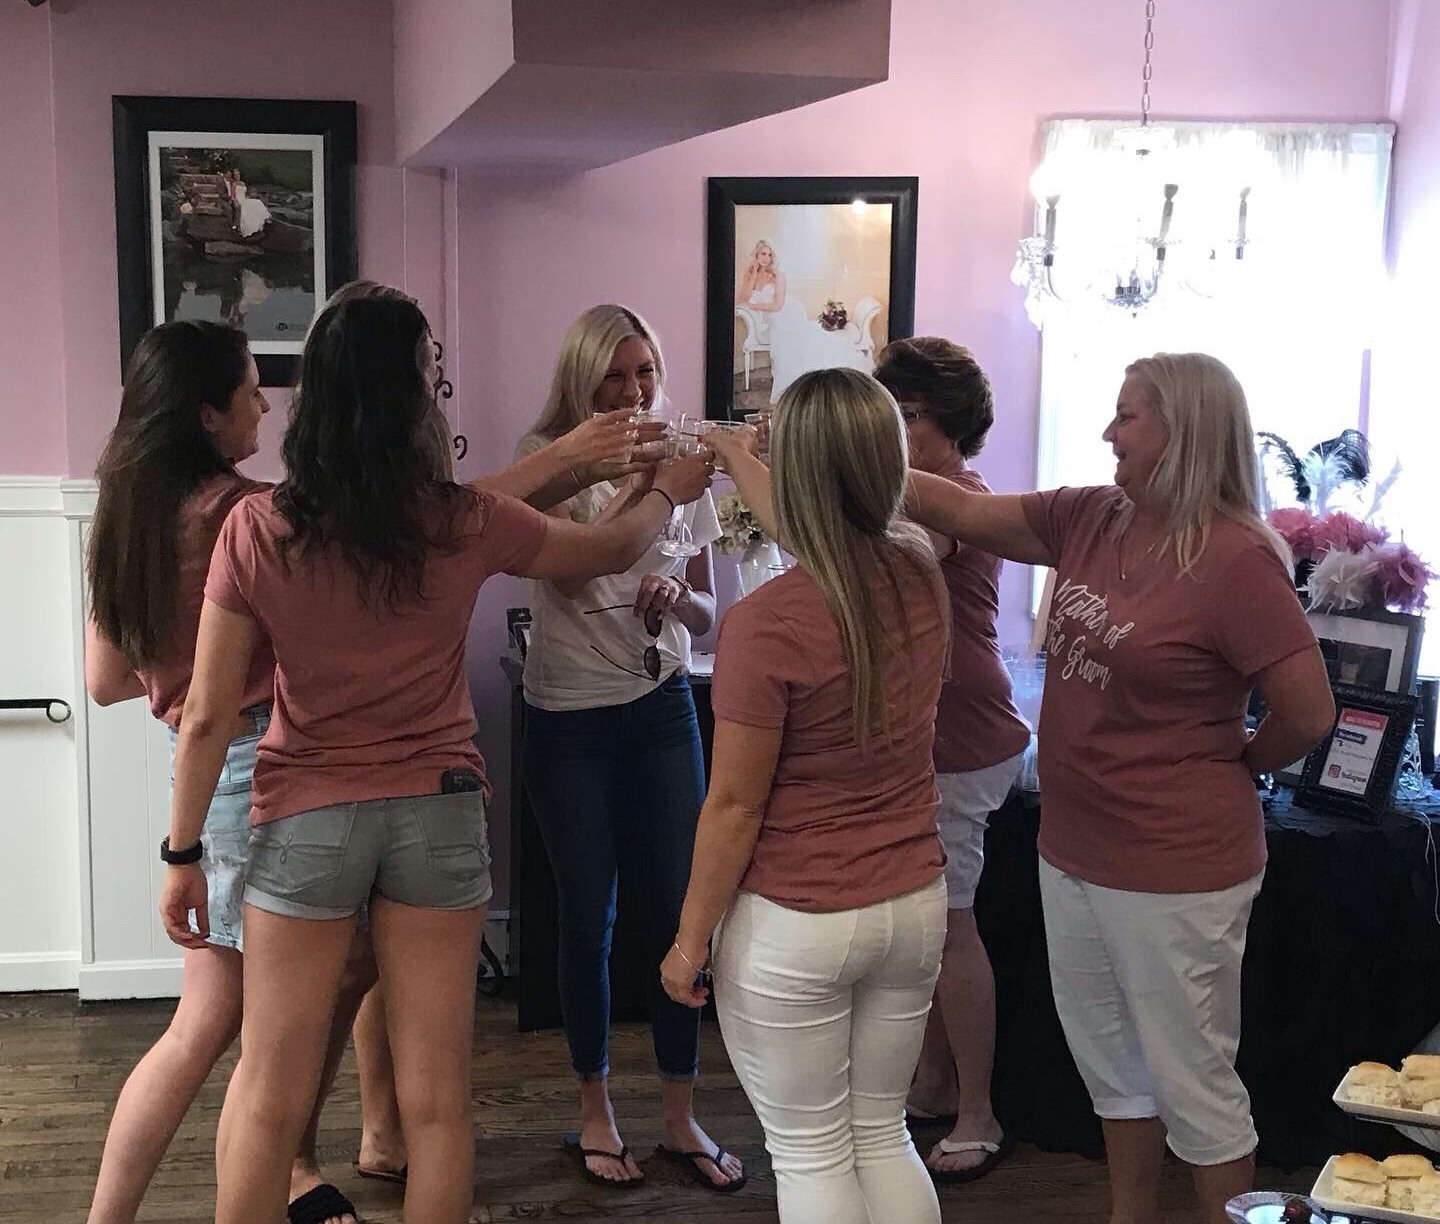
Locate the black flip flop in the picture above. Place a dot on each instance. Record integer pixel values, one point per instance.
(690, 1162)
(396, 1177)
(994, 1154)
(578, 1154)
(323, 1203)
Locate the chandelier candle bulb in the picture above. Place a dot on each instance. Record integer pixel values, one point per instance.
(1240, 225)
(1167, 213)
(1050, 202)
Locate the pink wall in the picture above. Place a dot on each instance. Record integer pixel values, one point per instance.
(969, 83)
(268, 48)
(32, 403)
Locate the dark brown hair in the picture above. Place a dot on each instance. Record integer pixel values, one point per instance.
(158, 454)
(947, 380)
(364, 474)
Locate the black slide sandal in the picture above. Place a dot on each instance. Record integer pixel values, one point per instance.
(323, 1203)
(690, 1162)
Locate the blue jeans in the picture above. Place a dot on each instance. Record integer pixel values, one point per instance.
(609, 785)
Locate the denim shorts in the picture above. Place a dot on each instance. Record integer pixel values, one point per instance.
(428, 851)
(226, 835)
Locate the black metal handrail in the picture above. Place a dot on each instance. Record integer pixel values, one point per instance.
(48, 704)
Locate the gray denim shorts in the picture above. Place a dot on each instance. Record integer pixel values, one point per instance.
(430, 851)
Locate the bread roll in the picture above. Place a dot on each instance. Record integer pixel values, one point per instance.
(1403, 1174)
(1358, 1179)
(1417, 1091)
(1425, 1196)
(1371, 1083)
(1431, 1107)
(1420, 1066)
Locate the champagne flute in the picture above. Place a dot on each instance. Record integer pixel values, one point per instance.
(676, 539)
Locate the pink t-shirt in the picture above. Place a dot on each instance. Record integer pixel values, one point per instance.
(976, 724)
(840, 830)
(167, 682)
(369, 704)
(1142, 728)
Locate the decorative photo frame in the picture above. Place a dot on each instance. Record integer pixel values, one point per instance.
(1370, 649)
(237, 210)
(802, 274)
(1353, 770)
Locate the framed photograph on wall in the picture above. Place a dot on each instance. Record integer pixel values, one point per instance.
(1370, 649)
(1353, 769)
(802, 274)
(236, 210)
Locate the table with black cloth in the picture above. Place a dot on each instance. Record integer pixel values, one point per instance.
(1342, 965)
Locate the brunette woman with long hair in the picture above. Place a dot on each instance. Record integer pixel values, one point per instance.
(360, 572)
(190, 411)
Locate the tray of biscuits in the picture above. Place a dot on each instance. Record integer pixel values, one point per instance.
(1409, 1096)
(1398, 1189)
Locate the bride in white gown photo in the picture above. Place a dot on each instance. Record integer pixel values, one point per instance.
(251, 214)
(797, 343)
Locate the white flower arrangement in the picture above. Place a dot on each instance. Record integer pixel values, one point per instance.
(739, 527)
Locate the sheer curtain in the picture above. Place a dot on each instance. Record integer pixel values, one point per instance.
(1292, 319)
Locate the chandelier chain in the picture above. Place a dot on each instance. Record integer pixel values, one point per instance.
(1145, 73)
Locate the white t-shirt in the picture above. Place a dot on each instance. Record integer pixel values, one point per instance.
(581, 658)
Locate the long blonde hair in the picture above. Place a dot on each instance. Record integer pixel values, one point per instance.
(1208, 466)
(585, 355)
(840, 460)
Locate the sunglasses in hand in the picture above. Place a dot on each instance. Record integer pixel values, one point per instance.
(650, 660)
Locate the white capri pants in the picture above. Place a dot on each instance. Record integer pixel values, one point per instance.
(823, 1016)
(1148, 990)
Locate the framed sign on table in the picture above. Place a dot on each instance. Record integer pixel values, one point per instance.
(1353, 769)
(802, 274)
(236, 210)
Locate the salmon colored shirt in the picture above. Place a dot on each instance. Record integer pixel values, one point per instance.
(369, 704)
(1142, 728)
(976, 724)
(841, 829)
(167, 682)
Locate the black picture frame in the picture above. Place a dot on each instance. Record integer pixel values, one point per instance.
(726, 194)
(1396, 634)
(1327, 785)
(135, 118)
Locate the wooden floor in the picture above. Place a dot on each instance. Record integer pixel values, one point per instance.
(61, 1065)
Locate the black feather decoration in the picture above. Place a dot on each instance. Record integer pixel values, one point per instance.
(1292, 465)
(1348, 454)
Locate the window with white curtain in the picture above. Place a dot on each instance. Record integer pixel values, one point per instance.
(1292, 318)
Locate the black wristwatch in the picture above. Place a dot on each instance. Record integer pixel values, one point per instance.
(181, 858)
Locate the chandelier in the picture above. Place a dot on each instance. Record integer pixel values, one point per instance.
(1131, 275)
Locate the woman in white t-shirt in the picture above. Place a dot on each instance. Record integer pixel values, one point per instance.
(612, 756)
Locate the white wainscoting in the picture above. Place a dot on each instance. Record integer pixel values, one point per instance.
(83, 804)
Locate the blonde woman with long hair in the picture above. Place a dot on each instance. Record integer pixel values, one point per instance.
(1172, 601)
(613, 765)
(817, 842)
(762, 284)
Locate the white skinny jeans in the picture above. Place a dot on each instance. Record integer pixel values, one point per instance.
(823, 1016)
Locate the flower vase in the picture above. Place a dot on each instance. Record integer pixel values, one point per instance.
(759, 563)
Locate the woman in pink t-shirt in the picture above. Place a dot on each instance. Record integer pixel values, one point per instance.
(359, 571)
(980, 741)
(817, 841)
(191, 411)
(1172, 601)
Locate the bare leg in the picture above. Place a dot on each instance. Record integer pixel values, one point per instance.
(933, 1091)
(427, 962)
(382, 1142)
(1216, 1185)
(293, 969)
(358, 978)
(682, 1133)
(966, 997)
(164, 1083)
(1134, 1152)
(599, 1133)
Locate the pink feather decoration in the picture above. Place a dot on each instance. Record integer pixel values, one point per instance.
(1297, 528)
(1400, 576)
(1345, 533)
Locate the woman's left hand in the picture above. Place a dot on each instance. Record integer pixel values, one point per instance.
(185, 889)
(658, 596)
(682, 981)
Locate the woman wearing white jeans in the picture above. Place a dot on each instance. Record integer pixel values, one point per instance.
(817, 841)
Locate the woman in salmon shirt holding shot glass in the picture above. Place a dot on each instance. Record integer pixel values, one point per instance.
(1172, 601)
